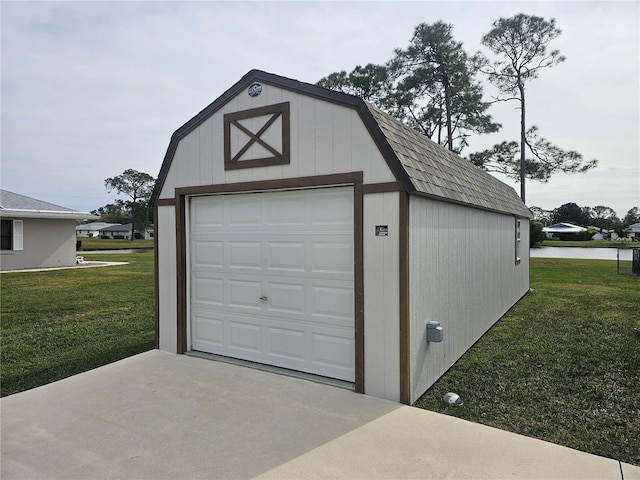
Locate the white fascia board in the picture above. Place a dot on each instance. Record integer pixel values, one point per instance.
(57, 214)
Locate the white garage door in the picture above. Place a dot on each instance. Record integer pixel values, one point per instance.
(271, 278)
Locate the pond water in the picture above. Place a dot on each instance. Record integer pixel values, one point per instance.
(581, 252)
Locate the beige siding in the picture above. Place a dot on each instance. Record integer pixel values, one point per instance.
(167, 278)
(325, 139)
(47, 243)
(463, 274)
(381, 297)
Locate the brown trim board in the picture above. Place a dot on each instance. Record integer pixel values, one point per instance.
(405, 324)
(156, 282)
(354, 179)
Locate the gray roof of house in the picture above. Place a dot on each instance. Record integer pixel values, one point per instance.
(16, 205)
(421, 166)
(117, 228)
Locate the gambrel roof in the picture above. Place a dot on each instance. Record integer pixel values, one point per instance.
(420, 165)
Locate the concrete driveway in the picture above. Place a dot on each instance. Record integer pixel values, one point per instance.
(164, 416)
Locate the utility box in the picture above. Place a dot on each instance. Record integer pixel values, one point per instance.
(435, 332)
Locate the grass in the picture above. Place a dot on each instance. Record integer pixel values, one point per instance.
(59, 323)
(563, 365)
(591, 243)
(94, 243)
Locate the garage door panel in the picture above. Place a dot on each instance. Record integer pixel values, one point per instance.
(282, 212)
(286, 298)
(208, 291)
(208, 253)
(206, 212)
(334, 351)
(242, 210)
(273, 281)
(332, 257)
(245, 255)
(286, 256)
(332, 304)
(245, 294)
(207, 332)
(244, 336)
(286, 344)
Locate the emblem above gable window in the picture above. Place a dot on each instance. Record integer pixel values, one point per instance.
(258, 137)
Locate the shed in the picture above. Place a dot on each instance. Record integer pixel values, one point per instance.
(37, 234)
(306, 230)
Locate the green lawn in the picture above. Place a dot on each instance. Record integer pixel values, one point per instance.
(110, 244)
(591, 243)
(59, 323)
(563, 365)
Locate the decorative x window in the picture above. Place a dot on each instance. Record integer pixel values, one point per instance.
(257, 138)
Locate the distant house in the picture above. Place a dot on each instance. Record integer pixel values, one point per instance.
(116, 231)
(92, 229)
(635, 231)
(36, 234)
(561, 230)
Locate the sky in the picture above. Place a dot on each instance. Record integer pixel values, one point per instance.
(90, 89)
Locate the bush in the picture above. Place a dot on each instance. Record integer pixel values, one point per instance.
(536, 235)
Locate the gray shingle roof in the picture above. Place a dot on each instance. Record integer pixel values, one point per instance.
(439, 173)
(22, 206)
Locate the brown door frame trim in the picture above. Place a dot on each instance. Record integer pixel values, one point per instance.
(348, 179)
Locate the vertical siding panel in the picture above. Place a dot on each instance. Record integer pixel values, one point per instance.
(341, 140)
(381, 298)
(463, 275)
(167, 273)
(323, 138)
(206, 152)
(305, 136)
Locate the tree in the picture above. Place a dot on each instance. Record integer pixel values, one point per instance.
(113, 212)
(521, 44)
(371, 83)
(541, 215)
(632, 216)
(603, 217)
(430, 86)
(138, 186)
(569, 213)
(436, 92)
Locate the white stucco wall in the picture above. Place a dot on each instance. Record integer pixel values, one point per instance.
(46, 243)
(463, 274)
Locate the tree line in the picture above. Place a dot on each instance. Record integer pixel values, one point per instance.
(434, 86)
(601, 217)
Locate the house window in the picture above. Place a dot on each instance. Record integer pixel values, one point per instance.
(518, 239)
(11, 235)
(258, 137)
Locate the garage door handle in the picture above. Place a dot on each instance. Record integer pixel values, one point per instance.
(263, 297)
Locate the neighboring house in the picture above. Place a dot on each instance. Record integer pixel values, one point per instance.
(305, 229)
(562, 230)
(116, 231)
(635, 231)
(37, 234)
(92, 229)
